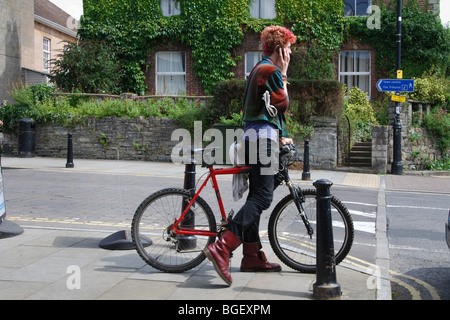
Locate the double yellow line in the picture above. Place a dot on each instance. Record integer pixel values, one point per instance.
(397, 278)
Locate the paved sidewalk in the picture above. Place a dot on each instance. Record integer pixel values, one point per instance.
(66, 263)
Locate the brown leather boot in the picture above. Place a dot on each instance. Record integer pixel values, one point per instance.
(219, 254)
(255, 260)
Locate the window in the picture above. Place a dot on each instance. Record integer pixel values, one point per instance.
(46, 46)
(355, 8)
(170, 73)
(354, 69)
(251, 59)
(263, 9)
(170, 8)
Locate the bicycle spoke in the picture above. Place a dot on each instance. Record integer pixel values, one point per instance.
(170, 251)
(289, 237)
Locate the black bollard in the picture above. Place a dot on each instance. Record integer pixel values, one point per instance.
(326, 286)
(188, 241)
(69, 163)
(306, 175)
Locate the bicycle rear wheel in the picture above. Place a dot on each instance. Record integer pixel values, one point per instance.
(154, 218)
(290, 240)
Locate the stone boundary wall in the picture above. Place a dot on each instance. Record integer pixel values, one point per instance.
(105, 138)
(417, 145)
(149, 139)
(323, 144)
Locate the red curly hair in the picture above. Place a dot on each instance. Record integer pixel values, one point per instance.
(274, 36)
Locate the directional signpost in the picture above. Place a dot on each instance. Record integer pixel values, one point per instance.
(398, 85)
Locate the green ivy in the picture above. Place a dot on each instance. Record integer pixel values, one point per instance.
(213, 28)
(425, 42)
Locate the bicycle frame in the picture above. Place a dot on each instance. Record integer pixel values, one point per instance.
(177, 229)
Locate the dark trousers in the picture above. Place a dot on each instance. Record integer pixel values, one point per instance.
(245, 224)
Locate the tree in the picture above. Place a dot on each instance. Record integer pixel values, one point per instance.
(88, 66)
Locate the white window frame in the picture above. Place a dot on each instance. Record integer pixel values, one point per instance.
(357, 73)
(170, 73)
(259, 58)
(352, 5)
(173, 7)
(262, 4)
(46, 44)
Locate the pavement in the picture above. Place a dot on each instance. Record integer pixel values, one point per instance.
(54, 262)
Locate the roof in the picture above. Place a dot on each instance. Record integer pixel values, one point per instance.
(49, 11)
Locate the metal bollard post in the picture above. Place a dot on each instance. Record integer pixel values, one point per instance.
(69, 163)
(306, 175)
(187, 241)
(326, 286)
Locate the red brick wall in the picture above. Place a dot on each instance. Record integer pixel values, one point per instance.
(193, 85)
(251, 42)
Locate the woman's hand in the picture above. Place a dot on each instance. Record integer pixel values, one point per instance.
(284, 59)
(284, 141)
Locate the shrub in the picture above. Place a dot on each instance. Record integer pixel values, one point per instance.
(315, 98)
(430, 88)
(438, 123)
(38, 103)
(311, 62)
(361, 115)
(90, 67)
(228, 98)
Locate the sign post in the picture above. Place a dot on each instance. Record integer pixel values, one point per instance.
(397, 166)
(397, 85)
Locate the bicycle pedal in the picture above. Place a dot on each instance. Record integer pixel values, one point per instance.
(230, 215)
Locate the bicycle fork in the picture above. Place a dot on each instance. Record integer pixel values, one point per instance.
(299, 200)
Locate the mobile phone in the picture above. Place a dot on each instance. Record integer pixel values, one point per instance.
(280, 49)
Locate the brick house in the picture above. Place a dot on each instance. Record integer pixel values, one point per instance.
(171, 69)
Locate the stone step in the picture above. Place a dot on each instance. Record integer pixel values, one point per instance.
(361, 155)
(361, 164)
(361, 148)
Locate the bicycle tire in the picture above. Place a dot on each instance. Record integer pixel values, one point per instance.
(290, 241)
(153, 218)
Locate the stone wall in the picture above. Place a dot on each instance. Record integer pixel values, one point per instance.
(105, 138)
(380, 148)
(417, 146)
(323, 144)
(149, 139)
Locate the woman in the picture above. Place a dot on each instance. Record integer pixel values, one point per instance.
(265, 102)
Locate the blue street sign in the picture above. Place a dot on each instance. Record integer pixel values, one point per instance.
(400, 85)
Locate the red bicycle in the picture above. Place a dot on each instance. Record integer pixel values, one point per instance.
(181, 224)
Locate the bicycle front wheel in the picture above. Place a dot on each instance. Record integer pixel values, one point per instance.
(289, 238)
(171, 252)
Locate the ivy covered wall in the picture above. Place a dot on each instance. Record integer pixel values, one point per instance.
(213, 28)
